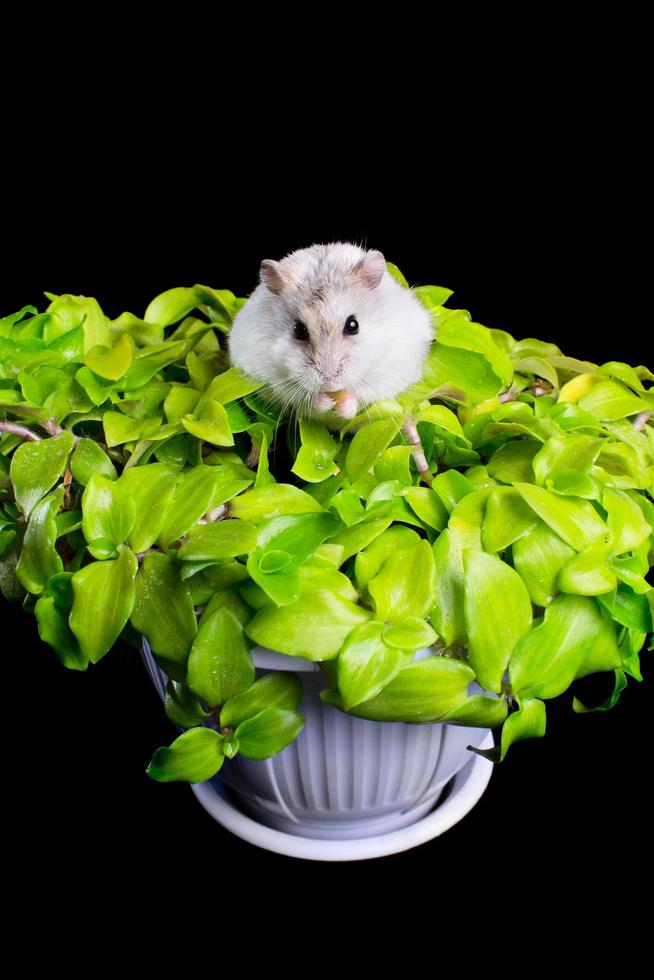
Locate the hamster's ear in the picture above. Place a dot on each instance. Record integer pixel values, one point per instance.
(370, 269)
(272, 274)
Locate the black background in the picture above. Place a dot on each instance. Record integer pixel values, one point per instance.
(540, 238)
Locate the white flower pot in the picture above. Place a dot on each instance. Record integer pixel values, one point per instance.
(343, 778)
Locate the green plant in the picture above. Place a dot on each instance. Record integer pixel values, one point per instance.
(499, 511)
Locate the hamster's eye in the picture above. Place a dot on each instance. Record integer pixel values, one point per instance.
(351, 326)
(300, 332)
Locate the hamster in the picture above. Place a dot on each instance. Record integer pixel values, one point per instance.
(330, 330)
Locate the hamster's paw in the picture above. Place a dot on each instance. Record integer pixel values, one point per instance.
(346, 405)
(322, 402)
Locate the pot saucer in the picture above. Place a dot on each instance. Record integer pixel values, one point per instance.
(458, 797)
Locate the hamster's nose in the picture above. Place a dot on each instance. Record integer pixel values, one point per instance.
(330, 375)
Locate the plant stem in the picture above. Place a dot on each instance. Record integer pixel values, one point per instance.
(252, 457)
(417, 450)
(213, 515)
(19, 430)
(68, 476)
(51, 427)
(140, 555)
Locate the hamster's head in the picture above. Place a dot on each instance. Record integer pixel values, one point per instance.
(327, 318)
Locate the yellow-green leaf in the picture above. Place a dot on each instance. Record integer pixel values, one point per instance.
(103, 599)
(111, 362)
(163, 608)
(36, 466)
(498, 613)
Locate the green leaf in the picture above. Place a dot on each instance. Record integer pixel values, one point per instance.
(119, 428)
(163, 608)
(430, 296)
(182, 706)
(422, 691)
(370, 559)
(195, 756)
(464, 374)
(575, 521)
(588, 573)
(68, 311)
(268, 732)
(424, 502)
(108, 512)
(283, 544)
(180, 401)
(604, 652)
(297, 534)
(39, 559)
(195, 494)
(537, 366)
(630, 610)
(561, 455)
(146, 334)
(54, 629)
(405, 585)
(230, 385)
(36, 467)
(220, 664)
(609, 400)
(172, 305)
(621, 466)
(512, 463)
(538, 558)
(103, 599)
(311, 577)
(451, 487)
(215, 542)
(348, 506)
(281, 688)
(227, 596)
(410, 634)
(315, 460)
(97, 390)
(314, 626)
(546, 660)
(623, 372)
(271, 500)
(111, 362)
(11, 587)
(447, 612)
(353, 539)
(366, 664)
(527, 722)
(393, 464)
(627, 523)
(443, 418)
(497, 612)
(212, 424)
(88, 458)
(479, 710)
(151, 487)
(507, 519)
(60, 588)
(367, 445)
(619, 686)
(460, 332)
(631, 571)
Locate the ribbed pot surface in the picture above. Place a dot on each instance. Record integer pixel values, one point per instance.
(342, 777)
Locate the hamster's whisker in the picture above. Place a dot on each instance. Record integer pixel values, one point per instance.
(268, 388)
(298, 397)
(287, 386)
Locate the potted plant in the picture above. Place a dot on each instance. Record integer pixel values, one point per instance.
(310, 602)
